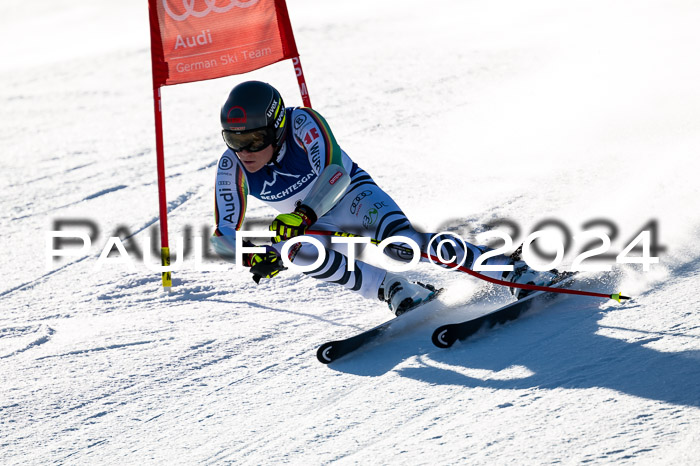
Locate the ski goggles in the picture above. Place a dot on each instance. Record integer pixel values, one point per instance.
(251, 141)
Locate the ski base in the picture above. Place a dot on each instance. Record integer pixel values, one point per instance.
(333, 350)
(446, 335)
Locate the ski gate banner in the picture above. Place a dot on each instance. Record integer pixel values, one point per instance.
(196, 40)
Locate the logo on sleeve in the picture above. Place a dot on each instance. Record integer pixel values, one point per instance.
(225, 163)
(299, 121)
(370, 217)
(357, 202)
(336, 177)
(310, 136)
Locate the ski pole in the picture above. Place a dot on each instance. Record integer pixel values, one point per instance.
(615, 296)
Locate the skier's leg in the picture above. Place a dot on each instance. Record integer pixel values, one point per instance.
(451, 249)
(364, 279)
(369, 211)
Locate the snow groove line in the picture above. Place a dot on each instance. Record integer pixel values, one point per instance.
(172, 205)
(70, 204)
(42, 277)
(182, 198)
(287, 362)
(657, 334)
(39, 341)
(200, 345)
(241, 379)
(104, 348)
(286, 311)
(52, 175)
(105, 191)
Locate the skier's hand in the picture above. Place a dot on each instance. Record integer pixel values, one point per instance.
(294, 224)
(265, 265)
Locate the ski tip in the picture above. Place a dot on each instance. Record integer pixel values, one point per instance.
(324, 353)
(619, 297)
(442, 338)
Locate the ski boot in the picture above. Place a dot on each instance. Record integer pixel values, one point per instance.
(402, 295)
(523, 274)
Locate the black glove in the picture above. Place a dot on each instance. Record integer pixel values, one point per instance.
(264, 265)
(294, 224)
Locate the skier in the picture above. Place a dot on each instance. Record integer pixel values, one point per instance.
(289, 159)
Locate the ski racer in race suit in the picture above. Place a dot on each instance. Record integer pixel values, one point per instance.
(289, 159)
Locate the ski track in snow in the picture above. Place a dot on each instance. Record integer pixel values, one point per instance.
(493, 111)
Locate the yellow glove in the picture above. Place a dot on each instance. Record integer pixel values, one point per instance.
(288, 226)
(265, 265)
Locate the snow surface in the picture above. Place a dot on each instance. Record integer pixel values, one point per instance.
(466, 112)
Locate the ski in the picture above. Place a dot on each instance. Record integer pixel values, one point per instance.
(333, 350)
(446, 335)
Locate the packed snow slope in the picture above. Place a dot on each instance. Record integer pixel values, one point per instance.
(467, 113)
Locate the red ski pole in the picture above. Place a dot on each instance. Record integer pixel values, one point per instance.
(616, 296)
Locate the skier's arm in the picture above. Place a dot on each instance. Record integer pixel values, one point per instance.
(229, 205)
(328, 189)
(325, 156)
(312, 133)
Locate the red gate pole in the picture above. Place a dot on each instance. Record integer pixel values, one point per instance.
(162, 199)
(301, 81)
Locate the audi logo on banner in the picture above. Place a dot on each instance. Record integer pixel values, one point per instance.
(189, 7)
